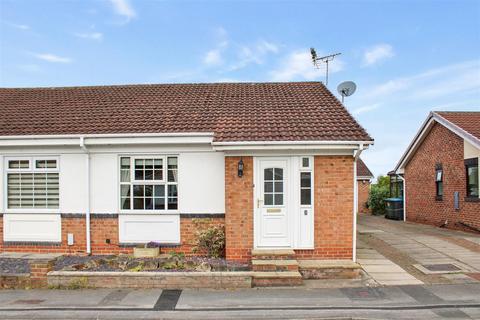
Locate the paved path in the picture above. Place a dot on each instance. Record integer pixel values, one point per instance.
(413, 246)
(392, 302)
(381, 269)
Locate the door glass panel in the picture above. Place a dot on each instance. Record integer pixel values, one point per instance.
(273, 186)
(268, 186)
(278, 199)
(268, 174)
(268, 199)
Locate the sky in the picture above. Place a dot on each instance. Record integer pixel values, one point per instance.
(406, 57)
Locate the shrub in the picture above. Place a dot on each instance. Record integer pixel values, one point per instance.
(376, 199)
(212, 241)
(378, 193)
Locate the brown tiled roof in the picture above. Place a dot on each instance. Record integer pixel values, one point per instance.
(362, 169)
(233, 111)
(468, 120)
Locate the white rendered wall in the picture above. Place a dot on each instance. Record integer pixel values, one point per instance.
(32, 227)
(201, 182)
(140, 228)
(72, 183)
(104, 183)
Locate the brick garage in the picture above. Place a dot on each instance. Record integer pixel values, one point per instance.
(441, 146)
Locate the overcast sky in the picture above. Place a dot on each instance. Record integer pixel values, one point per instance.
(407, 57)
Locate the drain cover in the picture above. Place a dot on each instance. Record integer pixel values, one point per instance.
(363, 293)
(441, 267)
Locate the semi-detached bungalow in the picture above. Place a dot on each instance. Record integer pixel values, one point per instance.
(101, 169)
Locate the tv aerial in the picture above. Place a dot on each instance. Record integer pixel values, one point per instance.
(346, 89)
(319, 60)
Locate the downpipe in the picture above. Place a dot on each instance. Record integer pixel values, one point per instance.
(87, 211)
(356, 155)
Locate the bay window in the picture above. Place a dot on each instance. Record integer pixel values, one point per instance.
(149, 183)
(32, 183)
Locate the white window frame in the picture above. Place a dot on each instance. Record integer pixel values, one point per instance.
(31, 169)
(308, 169)
(133, 182)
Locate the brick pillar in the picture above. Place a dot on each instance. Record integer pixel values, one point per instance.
(38, 271)
(238, 209)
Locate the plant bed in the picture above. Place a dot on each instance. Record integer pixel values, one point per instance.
(163, 263)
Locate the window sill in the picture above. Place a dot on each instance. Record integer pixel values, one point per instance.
(472, 199)
(438, 198)
(32, 211)
(148, 212)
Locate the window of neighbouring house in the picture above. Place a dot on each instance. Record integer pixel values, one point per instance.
(471, 166)
(149, 183)
(439, 182)
(32, 183)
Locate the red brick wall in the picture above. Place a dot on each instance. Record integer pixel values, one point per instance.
(103, 228)
(440, 146)
(333, 209)
(239, 209)
(363, 192)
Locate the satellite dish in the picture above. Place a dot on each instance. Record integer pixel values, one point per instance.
(346, 88)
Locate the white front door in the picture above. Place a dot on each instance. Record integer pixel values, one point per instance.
(273, 217)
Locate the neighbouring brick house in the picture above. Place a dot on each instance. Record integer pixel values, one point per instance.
(101, 169)
(364, 177)
(440, 168)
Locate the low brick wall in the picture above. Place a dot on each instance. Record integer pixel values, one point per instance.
(163, 280)
(15, 281)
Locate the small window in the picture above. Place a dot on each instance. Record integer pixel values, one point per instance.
(19, 164)
(305, 188)
(471, 166)
(439, 183)
(45, 164)
(305, 162)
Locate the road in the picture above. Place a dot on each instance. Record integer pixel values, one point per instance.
(447, 301)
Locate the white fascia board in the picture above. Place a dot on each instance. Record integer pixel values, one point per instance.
(289, 145)
(364, 177)
(108, 139)
(425, 128)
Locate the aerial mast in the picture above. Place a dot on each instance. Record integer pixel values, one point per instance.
(317, 61)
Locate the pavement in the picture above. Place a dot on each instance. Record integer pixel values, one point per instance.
(452, 301)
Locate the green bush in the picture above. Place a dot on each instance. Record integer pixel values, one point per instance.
(212, 241)
(378, 193)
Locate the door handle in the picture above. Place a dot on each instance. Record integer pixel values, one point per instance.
(258, 202)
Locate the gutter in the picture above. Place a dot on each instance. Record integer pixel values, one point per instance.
(87, 211)
(356, 155)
